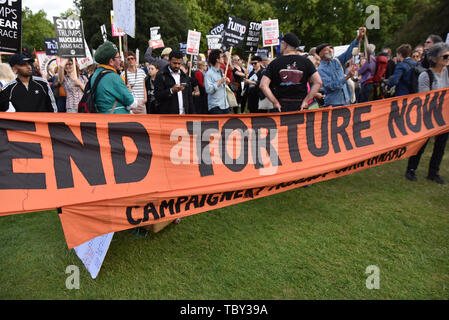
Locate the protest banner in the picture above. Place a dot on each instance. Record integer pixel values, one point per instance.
(234, 35)
(104, 33)
(88, 60)
(193, 42)
(51, 46)
(234, 32)
(183, 47)
(109, 173)
(156, 38)
(124, 16)
(217, 30)
(214, 42)
(253, 37)
(11, 26)
(47, 63)
(116, 32)
(70, 37)
(270, 32)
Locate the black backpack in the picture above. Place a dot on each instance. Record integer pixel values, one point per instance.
(87, 102)
(415, 72)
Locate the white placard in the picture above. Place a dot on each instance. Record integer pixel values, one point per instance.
(193, 42)
(270, 32)
(125, 16)
(88, 60)
(214, 42)
(447, 38)
(92, 253)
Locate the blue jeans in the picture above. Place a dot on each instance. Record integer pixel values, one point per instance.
(217, 110)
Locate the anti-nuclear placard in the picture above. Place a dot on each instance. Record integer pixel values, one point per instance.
(70, 37)
(11, 26)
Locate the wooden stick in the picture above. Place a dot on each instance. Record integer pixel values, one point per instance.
(125, 46)
(191, 65)
(229, 60)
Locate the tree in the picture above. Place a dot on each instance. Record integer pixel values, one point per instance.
(35, 28)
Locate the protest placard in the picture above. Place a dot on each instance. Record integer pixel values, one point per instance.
(234, 32)
(156, 38)
(87, 61)
(116, 32)
(104, 33)
(253, 37)
(193, 42)
(218, 29)
(70, 37)
(214, 42)
(183, 47)
(47, 63)
(270, 32)
(11, 26)
(51, 46)
(125, 16)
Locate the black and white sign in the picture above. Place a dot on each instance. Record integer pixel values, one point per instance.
(51, 47)
(234, 32)
(214, 42)
(217, 30)
(70, 37)
(253, 36)
(183, 47)
(104, 33)
(11, 25)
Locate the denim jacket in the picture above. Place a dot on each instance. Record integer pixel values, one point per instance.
(216, 95)
(333, 76)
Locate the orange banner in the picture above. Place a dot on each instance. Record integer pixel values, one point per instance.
(115, 172)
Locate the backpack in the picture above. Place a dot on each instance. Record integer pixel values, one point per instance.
(87, 102)
(415, 72)
(381, 70)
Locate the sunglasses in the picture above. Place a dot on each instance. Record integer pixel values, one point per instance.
(130, 58)
(253, 63)
(445, 57)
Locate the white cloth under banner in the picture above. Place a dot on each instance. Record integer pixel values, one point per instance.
(92, 253)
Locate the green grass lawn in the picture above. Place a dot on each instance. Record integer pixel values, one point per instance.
(308, 243)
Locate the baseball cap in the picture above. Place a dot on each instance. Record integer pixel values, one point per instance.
(166, 52)
(19, 59)
(321, 47)
(291, 39)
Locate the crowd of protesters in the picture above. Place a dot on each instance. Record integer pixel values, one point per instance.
(226, 84)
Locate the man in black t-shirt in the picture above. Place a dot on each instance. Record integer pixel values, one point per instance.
(285, 80)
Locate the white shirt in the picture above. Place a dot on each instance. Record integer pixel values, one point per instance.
(177, 77)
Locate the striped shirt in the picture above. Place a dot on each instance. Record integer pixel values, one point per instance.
(136, 81)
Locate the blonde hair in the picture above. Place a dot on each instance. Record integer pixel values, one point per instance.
(6, 73)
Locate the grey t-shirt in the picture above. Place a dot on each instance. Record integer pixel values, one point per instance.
(440, 81)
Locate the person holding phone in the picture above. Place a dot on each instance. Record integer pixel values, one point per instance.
(172, 88)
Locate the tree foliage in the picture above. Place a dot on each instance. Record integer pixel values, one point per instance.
(313, 21)
(35, 28)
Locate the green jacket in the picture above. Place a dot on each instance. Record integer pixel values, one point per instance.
(111, 88)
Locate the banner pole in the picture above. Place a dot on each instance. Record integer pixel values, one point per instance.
(229, 61)
(191, 65)
(125, 47)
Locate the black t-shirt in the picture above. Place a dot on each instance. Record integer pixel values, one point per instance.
(289, 76)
